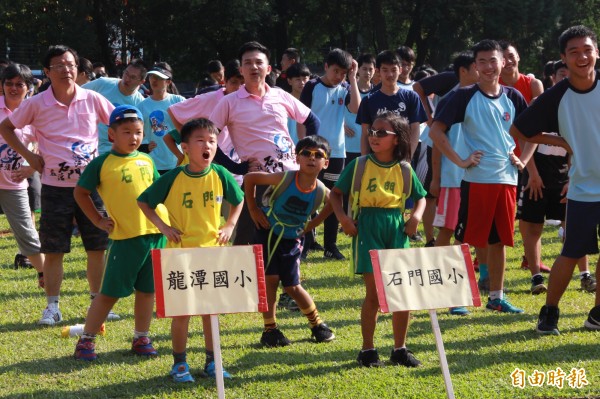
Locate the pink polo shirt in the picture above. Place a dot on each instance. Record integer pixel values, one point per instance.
(67, 135)
(201, 106)
(258, 126)
(10, 160)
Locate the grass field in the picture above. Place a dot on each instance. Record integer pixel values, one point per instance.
(483, 349)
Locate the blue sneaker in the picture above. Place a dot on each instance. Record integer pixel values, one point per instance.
(502, 305)
(459, 311)
(181, 373)
(210, 370)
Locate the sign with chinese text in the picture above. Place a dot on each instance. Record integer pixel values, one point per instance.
(213, 280)
(424, 278)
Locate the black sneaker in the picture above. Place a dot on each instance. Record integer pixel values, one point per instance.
(537, 285)
(548, 320)
(274, 337)
(322, 333)
(315, 246)
(404, 357)
(430, 243)
(22, 261)
(287, 302)
(593, 320)
(369, 358)
(333, 253)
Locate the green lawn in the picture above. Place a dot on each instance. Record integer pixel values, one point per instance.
(483, 349)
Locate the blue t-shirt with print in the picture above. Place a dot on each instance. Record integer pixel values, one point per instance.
(157, 123)
(485, 124)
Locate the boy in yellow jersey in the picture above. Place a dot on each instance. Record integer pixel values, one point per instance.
(120, 176)
(193, 195)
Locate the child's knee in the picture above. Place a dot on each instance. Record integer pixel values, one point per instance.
(294, 290)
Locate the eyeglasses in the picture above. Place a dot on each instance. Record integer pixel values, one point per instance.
(10, 85)
(381, 133)
(318, 154)
(62, 67)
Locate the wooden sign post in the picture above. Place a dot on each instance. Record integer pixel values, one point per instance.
(210, 281)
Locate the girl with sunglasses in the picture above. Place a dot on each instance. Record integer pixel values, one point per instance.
(380, 222)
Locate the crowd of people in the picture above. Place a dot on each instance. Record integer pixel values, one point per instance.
(371, 148)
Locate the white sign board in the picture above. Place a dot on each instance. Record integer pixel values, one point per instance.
(424, 278)
(212, 280)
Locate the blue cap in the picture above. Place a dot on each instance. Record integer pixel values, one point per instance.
(125, 111)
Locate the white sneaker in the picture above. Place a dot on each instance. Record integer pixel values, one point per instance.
(50, 317)
(112, 316)
(552, 222)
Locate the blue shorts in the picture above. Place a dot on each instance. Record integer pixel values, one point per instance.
(582, 229)
(285, 261)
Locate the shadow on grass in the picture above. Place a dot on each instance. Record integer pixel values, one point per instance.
(160, 386)
(469, 360)
(64, 293)
(332, 282)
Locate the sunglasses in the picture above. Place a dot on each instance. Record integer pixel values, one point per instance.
(379, 133)
(318, 154)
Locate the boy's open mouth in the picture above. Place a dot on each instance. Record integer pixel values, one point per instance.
(205, 155)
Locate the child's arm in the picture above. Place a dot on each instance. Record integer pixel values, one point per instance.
(437, 133)
(436, 171)
(348, 224)
(83, 199)
(178, 125)
(410, 227)
(251, 180)
(354, 92)
(226, 231)
(172, 145)
(171, 233)
(325, 212)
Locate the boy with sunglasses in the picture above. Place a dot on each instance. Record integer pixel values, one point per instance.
(281, 225)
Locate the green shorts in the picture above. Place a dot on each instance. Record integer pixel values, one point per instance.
(378, 228)
(128, 265)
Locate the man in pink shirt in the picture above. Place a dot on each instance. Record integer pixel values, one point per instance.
(201, 106)
(256, 117)
(65, 118)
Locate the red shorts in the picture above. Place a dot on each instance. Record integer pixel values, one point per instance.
(446, 213)
(487, 214)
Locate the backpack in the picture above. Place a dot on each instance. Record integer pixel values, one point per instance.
(359, 170)
(274, 192)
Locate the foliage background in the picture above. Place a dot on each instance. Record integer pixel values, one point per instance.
(188, 33)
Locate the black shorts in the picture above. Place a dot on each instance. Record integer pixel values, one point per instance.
(582, 229)
(331, 175)
(285, 261)
(56, 223)
(34, 192)
(421, 164)
(547, 207)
